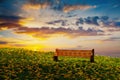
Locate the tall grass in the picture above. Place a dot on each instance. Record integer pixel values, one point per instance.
(21, 64)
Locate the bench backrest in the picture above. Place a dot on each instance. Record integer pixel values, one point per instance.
(75, 53)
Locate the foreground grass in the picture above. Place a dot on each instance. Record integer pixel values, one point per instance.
(21, 64)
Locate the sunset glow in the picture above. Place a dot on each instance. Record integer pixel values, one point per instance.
(45, 25)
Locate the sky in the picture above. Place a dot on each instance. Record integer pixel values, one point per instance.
(45, 25)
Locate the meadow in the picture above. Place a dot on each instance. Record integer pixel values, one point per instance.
(22, 64)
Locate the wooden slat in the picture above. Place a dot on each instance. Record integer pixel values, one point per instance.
(74, 53)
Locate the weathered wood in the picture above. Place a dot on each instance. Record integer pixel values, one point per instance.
(92, 56)
(75, 53)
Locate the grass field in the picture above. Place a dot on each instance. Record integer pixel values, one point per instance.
(21, 64)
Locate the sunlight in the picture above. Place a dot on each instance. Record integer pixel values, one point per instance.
(35, 48)
(30, 23)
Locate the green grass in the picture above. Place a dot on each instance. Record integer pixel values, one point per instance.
(21, 64)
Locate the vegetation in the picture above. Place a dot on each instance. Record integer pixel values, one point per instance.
(21, 64)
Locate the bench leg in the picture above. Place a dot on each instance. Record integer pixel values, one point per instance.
(92, 59)
(55, 58)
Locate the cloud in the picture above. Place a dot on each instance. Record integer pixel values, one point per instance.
(79, 21)
(104, 18)
(92, 20)
(19, 45)
(112, 39)
(3, 42)
(35, 6)
(69, 8)
(10, 19)
(12, 22)
(16, 7)
(4, 26)
(9, 25)
(104, 21)
(62, 22)
(9, 22)
(59, 5)
(95, 21)
(46, 32)
(39, 4)
(109, 22)
(88, 20)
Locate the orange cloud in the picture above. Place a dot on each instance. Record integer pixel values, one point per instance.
(75, 7)
(35, 6)
(11, 42)
(46, 32)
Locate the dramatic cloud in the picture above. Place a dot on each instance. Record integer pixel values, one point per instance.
(95, 21)
(48, 32)
(88, 20)
(35, 6)
(19, 45)
(79, 21)
(113, 39)
(62, 22)
(10, 19)
(92, 20)
(59, 5)
(54, 24)
(99, 21)
(3, 42)
(12, 22)
(9, 25)
(68, 8)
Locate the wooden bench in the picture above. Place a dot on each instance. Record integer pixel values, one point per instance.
(74, 53)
